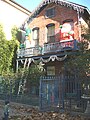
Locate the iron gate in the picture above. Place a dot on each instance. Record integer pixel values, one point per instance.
(59, 93)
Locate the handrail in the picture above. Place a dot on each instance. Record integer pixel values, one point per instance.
(48, 48)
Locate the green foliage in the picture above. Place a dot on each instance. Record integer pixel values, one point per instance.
(2, 34)
(3, 51)
(7, 50)
(79, 64)
(29, 78)
(7, 83)
(33, 76)
(86, 31)
(13, 80)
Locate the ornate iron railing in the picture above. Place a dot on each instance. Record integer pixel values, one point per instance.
(48, 48)
(61, 93)
(33, 51)
(60, 46)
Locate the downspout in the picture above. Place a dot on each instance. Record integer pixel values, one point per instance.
(79, 27)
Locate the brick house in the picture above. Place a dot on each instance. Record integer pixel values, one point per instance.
(52, 33)
(54, 27)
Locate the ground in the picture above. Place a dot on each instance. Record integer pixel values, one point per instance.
(26, 112)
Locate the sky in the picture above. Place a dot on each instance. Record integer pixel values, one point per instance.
(32, 4)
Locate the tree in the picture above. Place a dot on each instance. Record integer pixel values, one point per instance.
(15, 45)
(3, 51)
(80, 62)
(7, 55)
(7, 50)
(30, 78)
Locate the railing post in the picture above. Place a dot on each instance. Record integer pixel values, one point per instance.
(40, 94)
(75, 44)
(17, 66)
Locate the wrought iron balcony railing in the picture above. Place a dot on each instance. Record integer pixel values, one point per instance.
(33, 51)
(48, 48)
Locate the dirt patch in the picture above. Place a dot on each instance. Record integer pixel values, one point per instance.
(26, 112)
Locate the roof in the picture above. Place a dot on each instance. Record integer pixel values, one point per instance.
(17, 6)
(63, 3)
(44, 3)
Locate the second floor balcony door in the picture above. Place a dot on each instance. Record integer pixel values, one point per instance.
(51, 33)
(36, 36)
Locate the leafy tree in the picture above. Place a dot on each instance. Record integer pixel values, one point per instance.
(28, 78)
(3, 51)
(78, 64)
(15, 45)
(7, 55)
(7, 50)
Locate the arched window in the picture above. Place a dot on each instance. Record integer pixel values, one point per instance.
(51, 33)
(36, 35)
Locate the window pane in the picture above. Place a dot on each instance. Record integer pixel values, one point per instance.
(51, 39)
(51, 70)
(35, 34)
(50, 12)
(51, 31)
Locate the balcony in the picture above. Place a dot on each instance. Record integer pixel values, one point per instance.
(33, 51)
(48, 48)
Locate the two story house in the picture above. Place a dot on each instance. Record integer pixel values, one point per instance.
(51, 34)
(53, 28)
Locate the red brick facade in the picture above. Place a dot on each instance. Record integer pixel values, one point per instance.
(40, 23)
(61, 13)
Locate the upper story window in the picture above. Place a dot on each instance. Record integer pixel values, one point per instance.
(67, 20)
(50, 12)
(36, 35)
(21, 36)
(51, 32)
(51, 70)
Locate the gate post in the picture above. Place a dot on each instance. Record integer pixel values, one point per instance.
(61, 92)
(40, 94)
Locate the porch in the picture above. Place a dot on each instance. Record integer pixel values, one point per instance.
(48, 48)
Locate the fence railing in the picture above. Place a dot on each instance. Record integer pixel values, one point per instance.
(24, 99)
(55, 93)
(33, 51)
(48, 48)
(60, 46)
(61, 93)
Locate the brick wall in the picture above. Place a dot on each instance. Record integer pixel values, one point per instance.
(62, 13)
(58, 66)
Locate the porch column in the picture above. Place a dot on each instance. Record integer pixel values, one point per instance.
(17, 66)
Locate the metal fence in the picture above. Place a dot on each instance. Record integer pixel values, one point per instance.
(23, 99)
(14, 92)
(61, 93)
(55, 93)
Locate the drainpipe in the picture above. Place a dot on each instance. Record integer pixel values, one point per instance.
(79, 29)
